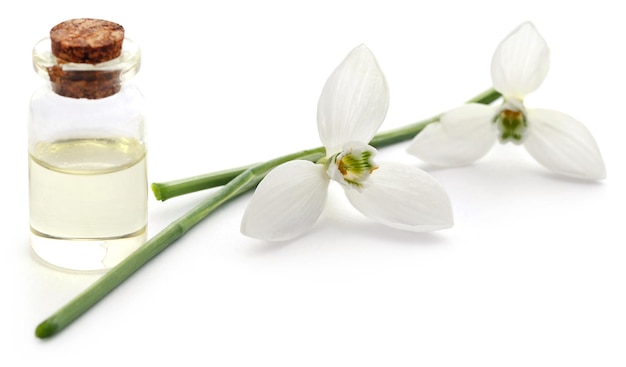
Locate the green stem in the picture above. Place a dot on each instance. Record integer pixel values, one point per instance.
(246, 179)
(167, 190)
(115, 276)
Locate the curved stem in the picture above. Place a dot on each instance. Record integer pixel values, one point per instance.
(118, 274)
(167, 190)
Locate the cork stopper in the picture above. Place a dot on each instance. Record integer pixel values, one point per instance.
(89, 41)
(85, 41)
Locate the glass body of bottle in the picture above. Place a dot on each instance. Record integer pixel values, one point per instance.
(88, 185)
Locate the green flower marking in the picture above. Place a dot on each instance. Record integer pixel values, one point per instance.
(512, 126)
(355, 165)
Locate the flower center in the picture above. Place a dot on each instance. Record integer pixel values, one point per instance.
(511, 122)
(353, 165)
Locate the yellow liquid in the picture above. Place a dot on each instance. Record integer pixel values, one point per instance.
(88, 201)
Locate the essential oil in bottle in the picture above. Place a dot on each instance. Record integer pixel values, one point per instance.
(87, 157)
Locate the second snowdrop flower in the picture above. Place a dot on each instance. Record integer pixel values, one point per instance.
(556, 140)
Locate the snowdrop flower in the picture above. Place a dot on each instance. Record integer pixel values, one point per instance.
(554, 139)
(351, 108)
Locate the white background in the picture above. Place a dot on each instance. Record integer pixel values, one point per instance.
(532, 274)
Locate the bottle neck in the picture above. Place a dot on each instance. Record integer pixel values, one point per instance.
(92, 81)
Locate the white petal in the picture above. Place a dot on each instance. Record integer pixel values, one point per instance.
(354, 101)
(287, 202)
(520, 63)
(563, 144)
(462, 136)
(404, 197)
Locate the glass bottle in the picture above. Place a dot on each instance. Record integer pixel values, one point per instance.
(88, 186)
